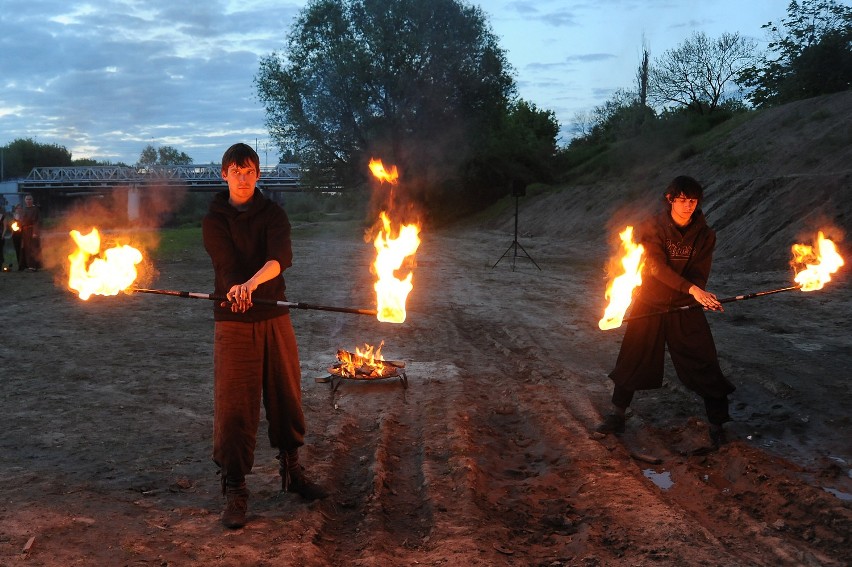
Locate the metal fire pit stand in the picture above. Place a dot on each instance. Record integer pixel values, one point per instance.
(336, 378)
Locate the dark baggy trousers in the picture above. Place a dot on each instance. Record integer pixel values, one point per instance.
(687, 335)
(254, 363)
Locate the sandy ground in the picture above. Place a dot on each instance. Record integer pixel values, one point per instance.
(486, 458)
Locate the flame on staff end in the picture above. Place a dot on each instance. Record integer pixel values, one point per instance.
(15, 226)
(391, 252)
(620, 291)
(392, 248)
(815, 265)
(93, 273)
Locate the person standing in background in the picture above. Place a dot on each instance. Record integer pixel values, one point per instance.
(3, 228)
(15, 227)
(30, 236)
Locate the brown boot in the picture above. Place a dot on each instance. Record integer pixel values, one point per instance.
(293, 477)
(236, 506)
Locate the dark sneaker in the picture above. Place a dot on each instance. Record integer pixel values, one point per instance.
(612, 423)
(236, 506)
(717, 435)
(296, 481)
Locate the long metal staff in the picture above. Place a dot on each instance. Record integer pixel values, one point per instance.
(290, 304)
(724, 300)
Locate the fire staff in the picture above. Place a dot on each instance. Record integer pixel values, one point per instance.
(679, 246)
(255, 354)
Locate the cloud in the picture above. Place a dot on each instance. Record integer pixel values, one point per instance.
(559, 16)
(590, 57)
(106, 82)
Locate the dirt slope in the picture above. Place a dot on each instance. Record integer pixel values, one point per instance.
(770, 182)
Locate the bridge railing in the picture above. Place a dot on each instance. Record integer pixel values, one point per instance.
(282, 174)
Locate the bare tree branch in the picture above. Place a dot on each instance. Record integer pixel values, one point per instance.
(698, 73)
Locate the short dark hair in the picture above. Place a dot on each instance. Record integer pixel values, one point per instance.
(241, 155)
(686, 186)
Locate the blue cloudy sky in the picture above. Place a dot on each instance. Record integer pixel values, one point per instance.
(105, 78)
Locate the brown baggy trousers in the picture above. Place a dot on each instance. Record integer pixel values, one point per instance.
(254, 363)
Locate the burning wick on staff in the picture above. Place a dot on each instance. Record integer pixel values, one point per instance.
(620, 291)
(393, 246)
(94, 273)
(819, 263)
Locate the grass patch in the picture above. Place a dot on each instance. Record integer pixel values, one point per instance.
(820, 115)
(176, 243)
(733, 160)
(187, 242)
(329, 227)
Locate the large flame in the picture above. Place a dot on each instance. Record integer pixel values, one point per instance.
(391, 252)
(15, 226)
(620, 290)
(93, 273)
(815, 265)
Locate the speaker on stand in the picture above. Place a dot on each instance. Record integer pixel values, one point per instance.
(519, 189)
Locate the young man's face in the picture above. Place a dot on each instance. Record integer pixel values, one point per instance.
(682, 208)
(241, 181)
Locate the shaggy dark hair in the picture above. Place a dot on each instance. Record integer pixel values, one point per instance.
(686, 186)
(240, 155)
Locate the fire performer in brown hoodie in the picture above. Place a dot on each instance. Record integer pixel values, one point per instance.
(679, 251)
(255, 354)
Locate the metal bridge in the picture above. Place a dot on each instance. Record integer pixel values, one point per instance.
(57, 188)
(85, 179)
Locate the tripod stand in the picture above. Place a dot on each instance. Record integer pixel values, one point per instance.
(515, 245)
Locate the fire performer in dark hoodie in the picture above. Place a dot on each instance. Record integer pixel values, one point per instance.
(255, 354)
(678, 253)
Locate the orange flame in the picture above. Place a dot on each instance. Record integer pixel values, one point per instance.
(362, 359)
(814, 266)
(380, 173)
(93, 273)
(391, 252)
(620, 290)
(15, 226)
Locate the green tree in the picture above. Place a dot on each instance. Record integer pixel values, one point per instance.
(810, 54)
(164, 155)
(522, 149)
(422, 85)
(699, 72)
(23, 154)
(621, 116)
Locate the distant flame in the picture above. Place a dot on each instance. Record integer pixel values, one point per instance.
(15, 226)
(620, 291)
(814, 266)
(380, 173)
(93, 273)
